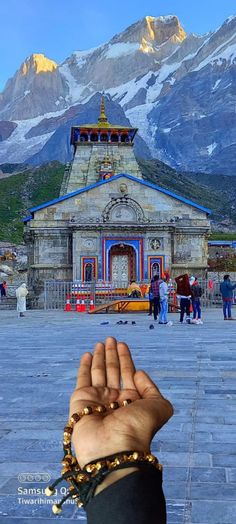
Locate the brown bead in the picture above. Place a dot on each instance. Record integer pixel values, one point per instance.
(87, 410)
(74, 418)
(65, 463)
(49, 491)
(82, 477)
(66, 436)
(150, 458)
(66, 440)
(68, 429)
(56, 509)
(98, 466)
(126, 402)
(114, 405)
(68, 458)
(100, 409)
(90, 468)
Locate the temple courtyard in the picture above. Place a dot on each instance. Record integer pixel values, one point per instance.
(194, 366)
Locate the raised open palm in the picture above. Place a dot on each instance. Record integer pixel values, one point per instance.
(109, 376)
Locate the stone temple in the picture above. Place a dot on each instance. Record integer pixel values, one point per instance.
(109, 223)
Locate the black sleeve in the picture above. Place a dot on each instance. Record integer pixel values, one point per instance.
(135, 499)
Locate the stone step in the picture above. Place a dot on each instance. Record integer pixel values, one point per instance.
(8, 303)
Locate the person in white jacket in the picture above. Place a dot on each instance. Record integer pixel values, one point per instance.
(21, 294)
(163, 290)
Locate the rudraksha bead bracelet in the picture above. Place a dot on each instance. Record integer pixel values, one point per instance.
(83, 481)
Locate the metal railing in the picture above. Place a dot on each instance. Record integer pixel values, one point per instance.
(102, 292)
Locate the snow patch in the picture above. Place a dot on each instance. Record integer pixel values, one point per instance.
(224, 51)
(17, 148)
(27, 92)
(75, 89)
(139, 116)
(166, 19)
(216, 85)
(121, 49)
(229, 19)
(211, 148)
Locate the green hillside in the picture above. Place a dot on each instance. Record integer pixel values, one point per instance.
(21, 191)
(33, 186)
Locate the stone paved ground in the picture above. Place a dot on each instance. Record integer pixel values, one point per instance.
(195, 367)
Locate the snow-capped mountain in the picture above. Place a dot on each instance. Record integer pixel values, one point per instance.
(179, 89)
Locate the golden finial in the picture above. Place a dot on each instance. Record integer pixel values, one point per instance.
(102, 120)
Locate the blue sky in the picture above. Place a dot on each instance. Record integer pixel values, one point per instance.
(59, 27)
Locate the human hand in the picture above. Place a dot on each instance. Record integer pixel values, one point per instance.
(109, 376)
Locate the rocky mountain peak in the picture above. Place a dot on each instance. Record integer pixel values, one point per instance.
(151, 32)
(38, 63)
(163, 28)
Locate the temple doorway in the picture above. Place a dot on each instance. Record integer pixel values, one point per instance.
(122, 261)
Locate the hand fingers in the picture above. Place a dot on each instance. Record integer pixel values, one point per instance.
(127, 368)
(98, 370)
(146, 387)
(112, 363)
(84, 371)
(149, 391)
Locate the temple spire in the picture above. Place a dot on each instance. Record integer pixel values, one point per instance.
(102, 120)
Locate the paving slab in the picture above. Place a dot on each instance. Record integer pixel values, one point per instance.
(194, 366)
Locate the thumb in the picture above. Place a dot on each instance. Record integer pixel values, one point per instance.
(145, 386)
(148, 390)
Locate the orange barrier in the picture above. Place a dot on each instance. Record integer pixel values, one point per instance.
(91, 305)
(78, 305)
(68, 303)
(83, 306)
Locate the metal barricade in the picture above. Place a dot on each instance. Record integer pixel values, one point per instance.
(102, 292)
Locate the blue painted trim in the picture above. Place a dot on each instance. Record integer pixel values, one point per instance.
(27, 219)
(220, 242)
(116, 177)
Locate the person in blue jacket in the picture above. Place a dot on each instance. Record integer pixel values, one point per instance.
(226, 289)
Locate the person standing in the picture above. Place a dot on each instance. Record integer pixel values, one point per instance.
(134, 290)
(226, 289)
(150, 296)
(184, 294)
(21, 294)
(156, 296)
(196, 295)
(163, 289)
(3, 288)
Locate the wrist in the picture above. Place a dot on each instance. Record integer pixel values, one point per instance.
(113, 477)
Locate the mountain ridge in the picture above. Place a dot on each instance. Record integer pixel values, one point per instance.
(178, 88)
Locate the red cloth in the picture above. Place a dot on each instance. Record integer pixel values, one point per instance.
(210, 284)
(183, 285)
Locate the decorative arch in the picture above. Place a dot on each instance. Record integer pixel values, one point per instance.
(84, 137)
(134, 212)
(114, 137)
(94, 137)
